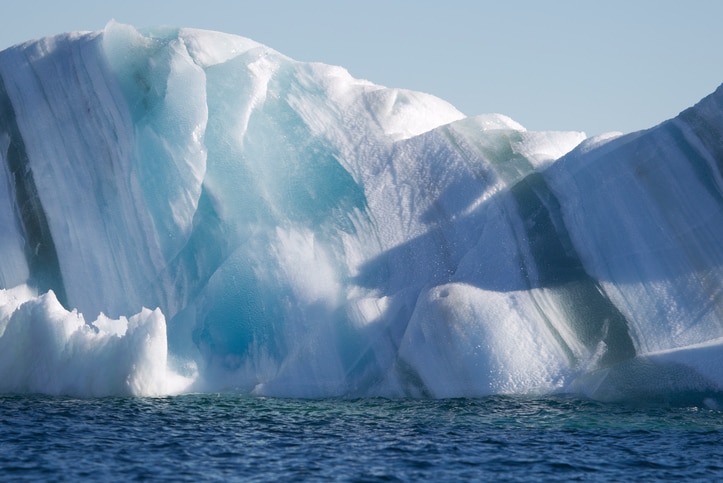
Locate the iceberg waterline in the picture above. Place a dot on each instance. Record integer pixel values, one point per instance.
(298, 232)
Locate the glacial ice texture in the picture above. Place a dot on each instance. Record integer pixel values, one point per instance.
(185, 210)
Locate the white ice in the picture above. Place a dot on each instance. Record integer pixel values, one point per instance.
(299, 232)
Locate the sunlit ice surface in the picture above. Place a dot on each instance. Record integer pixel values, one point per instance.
(190, 211)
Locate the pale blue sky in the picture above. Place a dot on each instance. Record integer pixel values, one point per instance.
(596, 66)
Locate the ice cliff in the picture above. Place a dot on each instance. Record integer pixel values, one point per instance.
(184, 210)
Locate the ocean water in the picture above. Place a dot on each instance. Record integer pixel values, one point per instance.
(226, 437)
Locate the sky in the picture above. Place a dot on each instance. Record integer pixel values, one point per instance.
(593, 66)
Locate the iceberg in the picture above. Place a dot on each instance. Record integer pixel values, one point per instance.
(185, 210)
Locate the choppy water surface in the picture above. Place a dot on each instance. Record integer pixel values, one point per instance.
(229, 437)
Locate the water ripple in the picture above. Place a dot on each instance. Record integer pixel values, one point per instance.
(229, 437)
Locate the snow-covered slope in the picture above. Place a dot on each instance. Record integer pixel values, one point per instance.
(299, 232)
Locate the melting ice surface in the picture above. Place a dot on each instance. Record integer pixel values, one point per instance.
(184, 210)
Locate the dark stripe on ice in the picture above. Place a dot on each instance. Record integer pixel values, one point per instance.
(556, 265)
(39, 247)
(711, 139)
(706, 124)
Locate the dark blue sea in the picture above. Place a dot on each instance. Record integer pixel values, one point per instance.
(237, 438)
